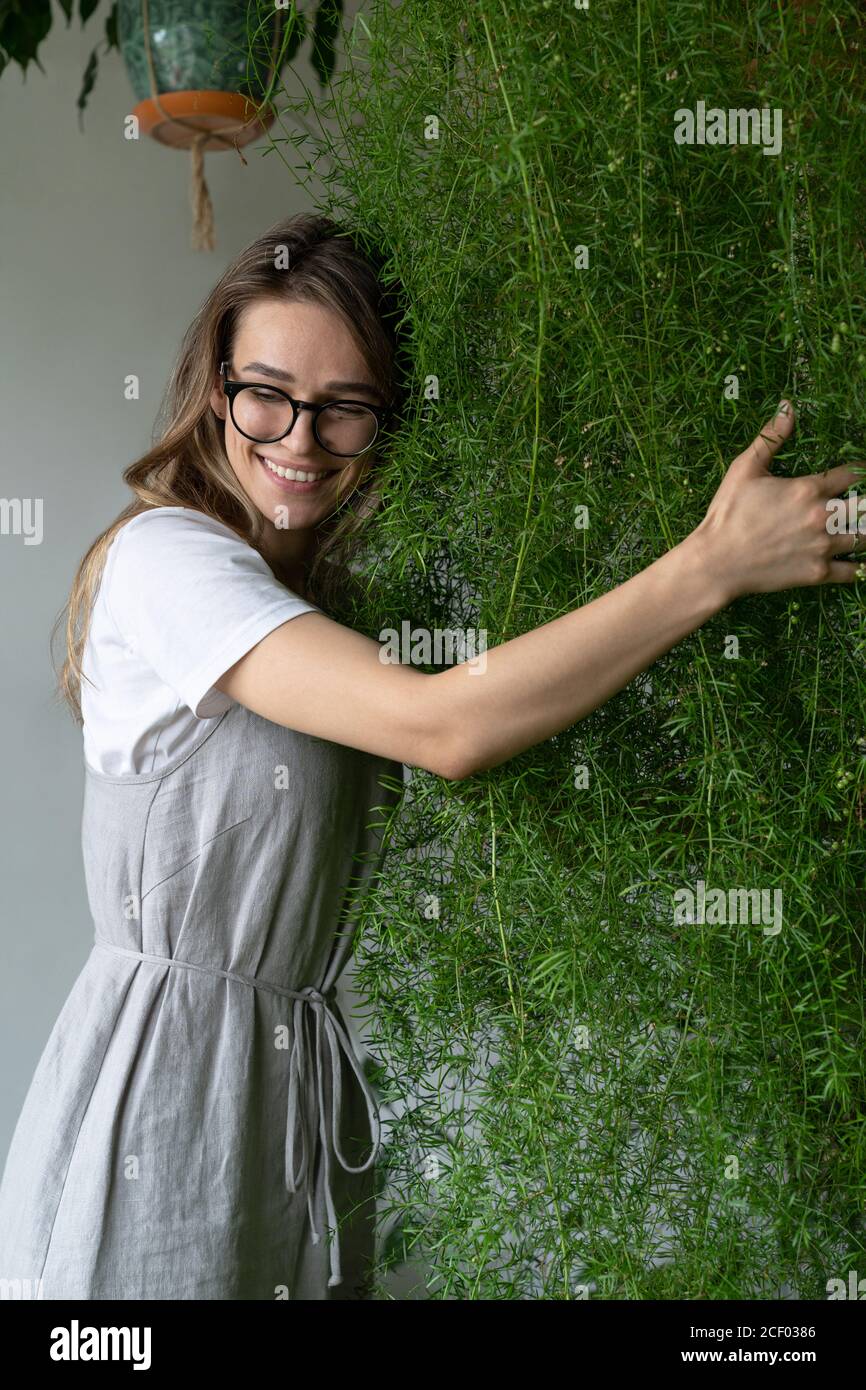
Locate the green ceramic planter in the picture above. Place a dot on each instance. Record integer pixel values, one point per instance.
(197, 45)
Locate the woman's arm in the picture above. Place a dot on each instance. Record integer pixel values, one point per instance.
(760, 534)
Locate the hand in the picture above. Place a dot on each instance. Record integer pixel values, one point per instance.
(762, 533)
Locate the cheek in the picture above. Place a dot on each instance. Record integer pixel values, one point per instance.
(241, 452)
(244, 465)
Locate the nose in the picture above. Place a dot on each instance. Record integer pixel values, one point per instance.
(301, 438)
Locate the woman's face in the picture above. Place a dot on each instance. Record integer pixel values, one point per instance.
(308, 352)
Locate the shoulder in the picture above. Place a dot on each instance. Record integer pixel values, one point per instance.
(170, 557)
(177, 538)
(168, 523)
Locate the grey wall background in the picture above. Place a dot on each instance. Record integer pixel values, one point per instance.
(97, 280)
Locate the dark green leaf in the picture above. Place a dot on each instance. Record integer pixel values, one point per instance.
(87, 83)
(86, 8)
(295, 37)
(327, 25)
(292, 34)
(22, 32)
(111, 30)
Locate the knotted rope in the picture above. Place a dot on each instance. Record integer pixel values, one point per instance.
(202, 237)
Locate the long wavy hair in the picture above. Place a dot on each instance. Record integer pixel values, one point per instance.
(304, 258)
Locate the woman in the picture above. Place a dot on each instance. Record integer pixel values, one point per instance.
(198, 1125)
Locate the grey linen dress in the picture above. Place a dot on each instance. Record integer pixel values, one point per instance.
(199, 1126)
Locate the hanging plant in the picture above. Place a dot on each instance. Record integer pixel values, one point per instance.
(193, 67)
(25, 23)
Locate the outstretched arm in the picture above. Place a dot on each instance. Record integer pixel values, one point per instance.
(760, 534)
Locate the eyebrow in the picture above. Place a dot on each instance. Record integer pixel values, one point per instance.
(265, 370)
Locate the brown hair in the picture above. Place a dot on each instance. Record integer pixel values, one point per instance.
(307, 258)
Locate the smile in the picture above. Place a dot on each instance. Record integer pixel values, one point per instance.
(295, 475)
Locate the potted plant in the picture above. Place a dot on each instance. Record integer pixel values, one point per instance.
(203, 73)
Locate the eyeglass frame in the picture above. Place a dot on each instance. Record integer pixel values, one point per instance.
(231, 389)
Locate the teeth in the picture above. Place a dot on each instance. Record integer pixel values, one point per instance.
(294, 474)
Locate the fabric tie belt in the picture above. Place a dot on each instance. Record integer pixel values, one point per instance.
(328, 1027)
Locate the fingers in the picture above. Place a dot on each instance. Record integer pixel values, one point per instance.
(844, 572)
(837, 480)
(846, 515)
(758, 456)
(850, 542)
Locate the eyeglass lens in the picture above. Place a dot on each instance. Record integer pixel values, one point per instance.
(266, 416)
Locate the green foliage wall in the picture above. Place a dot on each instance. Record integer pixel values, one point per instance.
(591, 1097)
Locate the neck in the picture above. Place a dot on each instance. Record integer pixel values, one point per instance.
(290, 555)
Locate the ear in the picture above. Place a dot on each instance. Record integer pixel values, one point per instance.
(218, 401)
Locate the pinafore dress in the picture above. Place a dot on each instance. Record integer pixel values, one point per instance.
(199, 1125)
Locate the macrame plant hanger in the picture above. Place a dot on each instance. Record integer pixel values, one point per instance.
(204, 137)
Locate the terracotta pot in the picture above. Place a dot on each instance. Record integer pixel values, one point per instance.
(198, 53)
(209, 110)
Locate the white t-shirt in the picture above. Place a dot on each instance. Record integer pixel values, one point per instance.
(181, 599)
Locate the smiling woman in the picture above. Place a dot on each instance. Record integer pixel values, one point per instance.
(281, 448)
(199, 1125)
(268, 415)
(199, 1121)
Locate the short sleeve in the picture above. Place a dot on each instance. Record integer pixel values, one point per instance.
(190, 598)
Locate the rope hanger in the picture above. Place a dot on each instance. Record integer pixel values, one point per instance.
(202, 237)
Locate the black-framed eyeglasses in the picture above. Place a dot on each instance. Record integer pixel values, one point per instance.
(265, 414)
